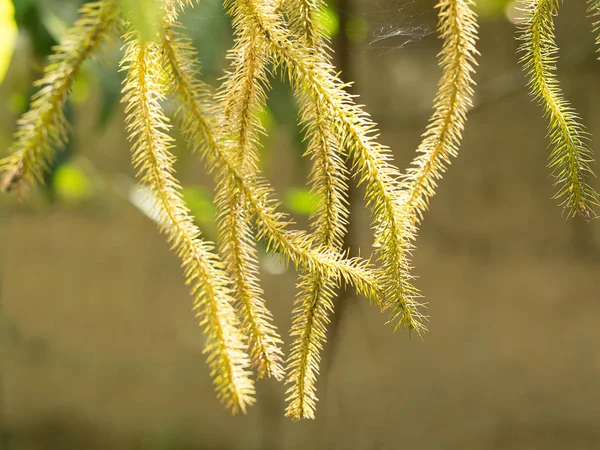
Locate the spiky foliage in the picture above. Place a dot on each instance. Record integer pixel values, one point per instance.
(198, 113)
(570, 155)
(223, 129)
(328, 178)
(243, 96)
(310, 76)
(594, 12)
(458, 28)
(44, 128)
(148, 128)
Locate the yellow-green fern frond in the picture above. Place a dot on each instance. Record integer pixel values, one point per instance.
(457, 26)
(43, 128)
(306, 19)
(314, 302)
(314, 78)
(594, 12)
(311, 315)
(242, 96)
(328, 179)
(148, 128)
(238, 247)
(570, 157)
(197, 117)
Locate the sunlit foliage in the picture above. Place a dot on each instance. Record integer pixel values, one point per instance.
(222, 126)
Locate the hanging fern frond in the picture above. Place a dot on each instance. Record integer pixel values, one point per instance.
(148, 128)
(570, 157)
(314, 78)
(594, 12)
(197, 114)
(43, 129)
(457, 26)
(329, 181)
(224, 129)
(242, 96)
(306, 19)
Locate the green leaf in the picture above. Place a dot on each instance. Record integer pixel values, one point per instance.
(199, 200)
(493, 9)
(328, 22)
(71, 183)
(300, 201)
(8, 35)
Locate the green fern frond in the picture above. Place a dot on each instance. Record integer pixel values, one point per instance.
(197, 114)
(43, 128)
(314, 78)
(457, 26)
(148, 128)
(242, 96)
(224, 129)
(311, 315)
(571, 156)
(235, 237)
(314, 302)
(306, 23)
(172, 8)
(594, 12)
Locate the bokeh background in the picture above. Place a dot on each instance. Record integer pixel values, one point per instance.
(99, 349)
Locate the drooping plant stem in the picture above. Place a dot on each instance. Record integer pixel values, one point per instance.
(458, 28)
(43, 128)
(570, 156)
(148, 128)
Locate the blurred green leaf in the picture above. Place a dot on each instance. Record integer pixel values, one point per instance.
(199, 200)
(493, 8)
(300, 201)
(30, 17)
(146, 16)
(8, 35)
(56, 25)
(329, 22)
(71, 183)
(266, 118)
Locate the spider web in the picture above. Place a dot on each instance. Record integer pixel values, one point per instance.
(394, 25)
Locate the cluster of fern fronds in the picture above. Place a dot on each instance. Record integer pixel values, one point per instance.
(223, 127)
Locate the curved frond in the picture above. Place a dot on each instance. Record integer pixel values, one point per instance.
(329, 181)
(457, 27)
(594, 12)
(305, 20)
(196, 111)
(570, 157)
(43, 128)
(148, 128)
(317, 79)
(242, 96)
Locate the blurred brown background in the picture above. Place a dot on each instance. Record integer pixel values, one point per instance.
(99, 348)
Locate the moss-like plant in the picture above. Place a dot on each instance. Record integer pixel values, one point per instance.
(223, 126)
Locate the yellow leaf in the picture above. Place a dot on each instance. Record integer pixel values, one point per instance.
(8, 35)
